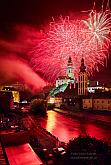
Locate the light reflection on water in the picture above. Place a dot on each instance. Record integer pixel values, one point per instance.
(51, 121)
(66, 128)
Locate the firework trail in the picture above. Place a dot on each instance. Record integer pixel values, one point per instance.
(64, 37)
(99, 25)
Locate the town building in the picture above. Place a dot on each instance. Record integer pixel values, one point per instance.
(94, 85)
(68, 98)
(15, 93)
(82, 80)
(69, 77)
(98, 101)
(6, 102)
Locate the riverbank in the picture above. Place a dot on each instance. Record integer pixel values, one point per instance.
(99, 118)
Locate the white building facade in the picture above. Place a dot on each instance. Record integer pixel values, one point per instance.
(69, 77)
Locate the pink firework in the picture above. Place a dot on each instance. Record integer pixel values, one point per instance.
(76, 38)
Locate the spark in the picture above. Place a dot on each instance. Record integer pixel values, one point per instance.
(99, 25)
(64, 37)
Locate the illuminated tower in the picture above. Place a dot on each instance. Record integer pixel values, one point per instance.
(69, 77)
(69, 71)
(82, 80)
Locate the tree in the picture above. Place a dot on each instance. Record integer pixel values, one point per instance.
(38, 106)
(86, 151)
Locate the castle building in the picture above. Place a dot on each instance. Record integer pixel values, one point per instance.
(98, 101)
(69, 77)
(82, 80)
(15, 93)
(95, 85)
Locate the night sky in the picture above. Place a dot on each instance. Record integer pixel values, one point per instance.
(36, 13)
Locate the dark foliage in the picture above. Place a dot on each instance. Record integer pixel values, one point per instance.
(38, 106)
(86, 151)
(50, 106)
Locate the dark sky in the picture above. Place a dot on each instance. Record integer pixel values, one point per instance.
(37, 12)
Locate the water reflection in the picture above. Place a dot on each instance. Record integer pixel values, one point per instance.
(99, 133)
(66, 128)
(51, 121)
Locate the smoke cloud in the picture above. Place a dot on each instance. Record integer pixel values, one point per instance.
(12, 68)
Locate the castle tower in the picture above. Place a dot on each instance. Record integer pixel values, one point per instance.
(82, 79)
(69, 77)
(69, 71)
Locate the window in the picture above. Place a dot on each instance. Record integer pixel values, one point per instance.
(81, 78)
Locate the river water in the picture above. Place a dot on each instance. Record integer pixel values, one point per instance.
(66, 128)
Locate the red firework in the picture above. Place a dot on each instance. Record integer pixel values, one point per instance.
(76, 38)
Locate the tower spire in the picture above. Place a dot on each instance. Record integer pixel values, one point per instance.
(82, 67)
(82, 79)
(70, 61)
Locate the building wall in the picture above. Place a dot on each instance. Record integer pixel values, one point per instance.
(63, 81)
(87, 103)
(82, 83)
(69, 72)
(55, 100)
(58, 101)
(97, 104)
(5, 101)
(60, 82)
(102, 104)
(92, 89)
(16, 96)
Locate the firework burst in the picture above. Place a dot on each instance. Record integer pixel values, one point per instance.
(99, 25)
(66, 37)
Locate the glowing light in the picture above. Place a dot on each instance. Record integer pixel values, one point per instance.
(64, 37)
(51, 121)
(51, 100)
